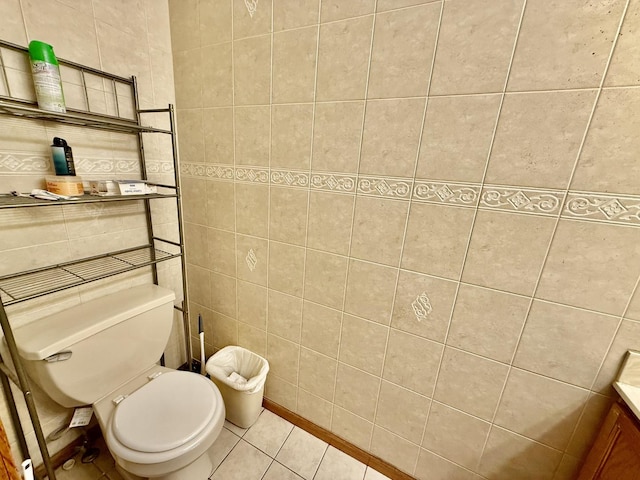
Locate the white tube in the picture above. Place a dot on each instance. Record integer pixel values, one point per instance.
(27, 469)
(202, 369)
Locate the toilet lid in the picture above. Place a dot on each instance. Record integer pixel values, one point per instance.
(165, 413)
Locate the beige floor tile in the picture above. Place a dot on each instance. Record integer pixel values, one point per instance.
(337, 464)
(279, 472)
(302, 453)
(268, 433)
(245, 462)
(224, 443)
(372, 474)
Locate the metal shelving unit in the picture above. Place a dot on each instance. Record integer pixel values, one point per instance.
(28, 285)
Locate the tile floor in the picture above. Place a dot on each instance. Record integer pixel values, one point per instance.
(272, 449)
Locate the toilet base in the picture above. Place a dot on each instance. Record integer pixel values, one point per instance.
(201, 469)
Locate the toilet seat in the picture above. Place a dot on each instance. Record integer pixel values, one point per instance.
(164, 414)
(130, 428)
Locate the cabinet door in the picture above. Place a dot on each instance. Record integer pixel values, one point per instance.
(616, 452)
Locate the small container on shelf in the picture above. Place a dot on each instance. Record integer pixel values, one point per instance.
(65, 185)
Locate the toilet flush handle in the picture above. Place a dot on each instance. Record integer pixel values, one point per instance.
(59, 357)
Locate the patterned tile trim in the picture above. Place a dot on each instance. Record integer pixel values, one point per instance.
(12, 163)
(525, 200)
(29, 164)
(333, 182)
(605, 208)
(290, 179)
(252, 175)
(385, 187)
(453, 193)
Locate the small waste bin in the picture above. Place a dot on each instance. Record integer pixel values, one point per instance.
(240, 375)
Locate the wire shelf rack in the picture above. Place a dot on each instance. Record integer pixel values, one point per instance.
(32, 284)
(11, 201)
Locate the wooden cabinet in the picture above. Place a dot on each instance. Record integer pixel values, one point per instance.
(615, 454)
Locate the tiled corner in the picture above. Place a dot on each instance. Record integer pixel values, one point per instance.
(302, 453)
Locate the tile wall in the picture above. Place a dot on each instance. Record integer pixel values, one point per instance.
(98, 34)
(425, 214)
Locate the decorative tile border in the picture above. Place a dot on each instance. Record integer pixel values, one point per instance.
(333, 182)
(29, 164)
(451, 193)
(21, 163)
(609, 208)
(604, 208)
(524, 200)
(385, 187)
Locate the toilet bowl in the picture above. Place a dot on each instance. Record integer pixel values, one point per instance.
(157, 422)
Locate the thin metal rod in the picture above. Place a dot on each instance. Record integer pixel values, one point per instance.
(84, 88)
(13, 409)
(183, 261)
(143, 172)
(153, 110)
(21, 202)
(26, 392)
(4, 73)
(115, 98)
(7, 373)
(168, 241)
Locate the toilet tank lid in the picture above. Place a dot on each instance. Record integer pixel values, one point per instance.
(42, 338)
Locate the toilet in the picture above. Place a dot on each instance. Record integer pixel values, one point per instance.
(157, 422)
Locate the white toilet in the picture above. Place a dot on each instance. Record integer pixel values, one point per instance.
(157, 422)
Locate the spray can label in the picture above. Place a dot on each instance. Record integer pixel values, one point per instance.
(48, 87)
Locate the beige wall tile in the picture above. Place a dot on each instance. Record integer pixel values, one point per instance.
(220, 204)
(288, 15)
(226, 331)
(383, 5)
(443, 254)
(633, 309)
(252, 70)
(218, 135)
(252, 304)
(487, 322)
(199, 285)
(316, 409)
(470, 383)
(548, 417)
(184, 24)
(215, 20)
(623, 69)
(217, 82)
(342, 73)
(188, 78)
(370, 291)
(281, 392)
(611, 135)
(223, 294)
(332, 10)
(391, 135)
(394, 449)
(288, 215)
(378, 227)
(456, 137)
(317, 374)
(13, 30)
(336, 136)
(579, 56)
(247, 23)
(423, 305)
(294, 65)
(507, 251)
(357, 391)
(330, 220)
(191, 135)
(222, 251)
(195, 209)
(455, 435)
(402, 412)
(403, 47)
(285, 316)
(252, 130)
(252, 267)
(565, 343)
(251, 338)
(475, 45)
(195, 237)
(286, 268)
(568, 468)
(589, 424)
(433, 467)
(252, 207)
(592, 253)
(538, 138)
(321, 328)
(351, 427)
(412, 362)
(627, 338)
(283, 358)
(362, 344)
(508, 456)
(291, 136)
(325, 278)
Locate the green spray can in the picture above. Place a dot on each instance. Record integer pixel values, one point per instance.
(46, 77)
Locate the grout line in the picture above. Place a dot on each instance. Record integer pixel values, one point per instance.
(235, 191)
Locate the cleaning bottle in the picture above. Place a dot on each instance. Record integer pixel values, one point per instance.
(46, 77)
(62, 157)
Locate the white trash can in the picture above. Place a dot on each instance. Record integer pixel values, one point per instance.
(240, 375)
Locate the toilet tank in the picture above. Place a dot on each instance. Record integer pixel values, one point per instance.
(79, 355)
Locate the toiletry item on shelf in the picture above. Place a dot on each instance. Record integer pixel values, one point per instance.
(62, 157)
(121, 187)
(67, 185)
(46, 77)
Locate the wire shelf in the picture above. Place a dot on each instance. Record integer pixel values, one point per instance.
(11, 201)
(36, 283)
